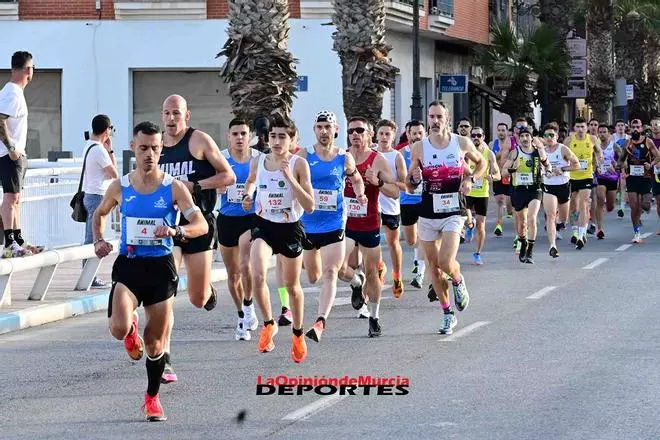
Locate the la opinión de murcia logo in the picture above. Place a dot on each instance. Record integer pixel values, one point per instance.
(326, 386)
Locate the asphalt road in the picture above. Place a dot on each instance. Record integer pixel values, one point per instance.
(578, 360)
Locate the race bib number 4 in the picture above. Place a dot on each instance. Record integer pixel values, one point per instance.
(524, 178)
(277, 203)
(235, 193)
(636, 170)
(325, 199)
(140, 231)
(444, 203)
(584, 164)
(355, 209)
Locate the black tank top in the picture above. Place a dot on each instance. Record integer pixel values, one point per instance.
(179, 163)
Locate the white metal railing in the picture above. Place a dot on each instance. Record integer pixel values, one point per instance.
(47, 263)
(45, 211)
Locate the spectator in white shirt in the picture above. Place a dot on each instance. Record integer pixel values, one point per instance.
(100, 169)
(13, 163)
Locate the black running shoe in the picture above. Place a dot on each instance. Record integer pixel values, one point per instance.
(357, 298)
(579, 244)
(554, 253)
(591, 230)
(620, 213)
(600, 235)
(286, 318)
(374, 327)
(213, 299)
(523, 251)
(432, 296)
(574, 239)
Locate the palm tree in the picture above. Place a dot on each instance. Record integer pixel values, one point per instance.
(258, 66)
(360, 43)
(526, 60)
(600, 52)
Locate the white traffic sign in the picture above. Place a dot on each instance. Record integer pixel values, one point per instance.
(578, 68)
(630, 92)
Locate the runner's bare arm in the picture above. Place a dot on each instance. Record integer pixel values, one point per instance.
(183, 199)
(494, 168)
(4, 131)
(302, 186)
(353, 175)
(401, 172)
(224, 175)
(571, 158)
(474, 155)
(415, 171)
(111, 199)
(383, 173)
(250, 184)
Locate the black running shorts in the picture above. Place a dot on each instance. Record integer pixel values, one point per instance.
(199, 244)
(521, 197)
(562, 192)
(501, 189)
(366, 239)
(150, 279)
(409, 214)
(12, 174)
(391, 221)
(656, 188)
(230, 228)
(579, 184)
(285, 239)
(478, 204)
(638, 185)
(322, 239)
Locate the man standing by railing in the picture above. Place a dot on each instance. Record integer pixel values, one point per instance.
(13, 163)
(100, 168)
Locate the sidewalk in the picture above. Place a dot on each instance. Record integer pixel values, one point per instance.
(62, 302)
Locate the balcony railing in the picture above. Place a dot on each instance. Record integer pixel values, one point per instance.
(410, 2)
(8, 9)
(160, 10)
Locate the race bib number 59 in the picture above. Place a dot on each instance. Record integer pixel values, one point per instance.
(325, 199)
(140, 231)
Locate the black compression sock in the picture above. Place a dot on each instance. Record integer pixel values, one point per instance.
(297, 331)
(9, 237)
(247, 302)
(166, 356)
(241, 314)
(155, 368)
(18, 237)
(322, 319)
(271, 322)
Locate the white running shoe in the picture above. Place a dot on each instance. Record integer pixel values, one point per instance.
(242, 334)
(364, 313)
(637, 238)
(251, 321)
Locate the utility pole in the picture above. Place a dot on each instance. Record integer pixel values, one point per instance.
(416, 107)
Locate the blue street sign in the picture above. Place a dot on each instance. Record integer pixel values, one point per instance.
(453, 84)
(301, 84)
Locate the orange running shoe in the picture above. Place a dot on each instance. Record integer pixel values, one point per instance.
(315, 332)
(397, 289)
(133, 343)
(298, 348)
(266, 335)
(152, 408)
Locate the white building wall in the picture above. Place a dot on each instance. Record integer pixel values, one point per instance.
(96, 59)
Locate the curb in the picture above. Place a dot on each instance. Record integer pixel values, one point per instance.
(44, 314)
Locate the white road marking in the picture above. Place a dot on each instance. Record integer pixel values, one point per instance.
(541, 293)
(646, 235)
(623, 247)
(595, 263)
(313, 408)
(465, 331)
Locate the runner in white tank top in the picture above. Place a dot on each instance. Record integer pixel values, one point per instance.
(284, 190)
(390, 208)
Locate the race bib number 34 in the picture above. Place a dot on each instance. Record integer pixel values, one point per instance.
(325, 199)
(444, 203)
(140, 231)
(355, 209)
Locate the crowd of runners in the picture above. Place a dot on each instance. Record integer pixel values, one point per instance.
(322, 208)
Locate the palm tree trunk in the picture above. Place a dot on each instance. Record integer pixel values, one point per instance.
(360, 43)
(600, 79)
(259, 67)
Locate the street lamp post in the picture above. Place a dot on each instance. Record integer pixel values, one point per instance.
(416, 107)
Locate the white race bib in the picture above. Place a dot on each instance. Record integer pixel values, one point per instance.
(140, 231)
(478, 184)
(355, 209)
(276, 202)
(604, 168)
(524, 178)
(443, 203)
(584, 164)
(235, 193)
(656, 169)
(325, 199)
(636, 170)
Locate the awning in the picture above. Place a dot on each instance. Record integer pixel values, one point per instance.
(495, 99)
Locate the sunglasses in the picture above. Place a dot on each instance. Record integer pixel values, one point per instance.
(463, 126)
(477, 135)
(358, 130)
(548, 135)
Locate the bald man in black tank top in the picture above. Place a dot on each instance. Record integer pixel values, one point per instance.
(194, 158)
